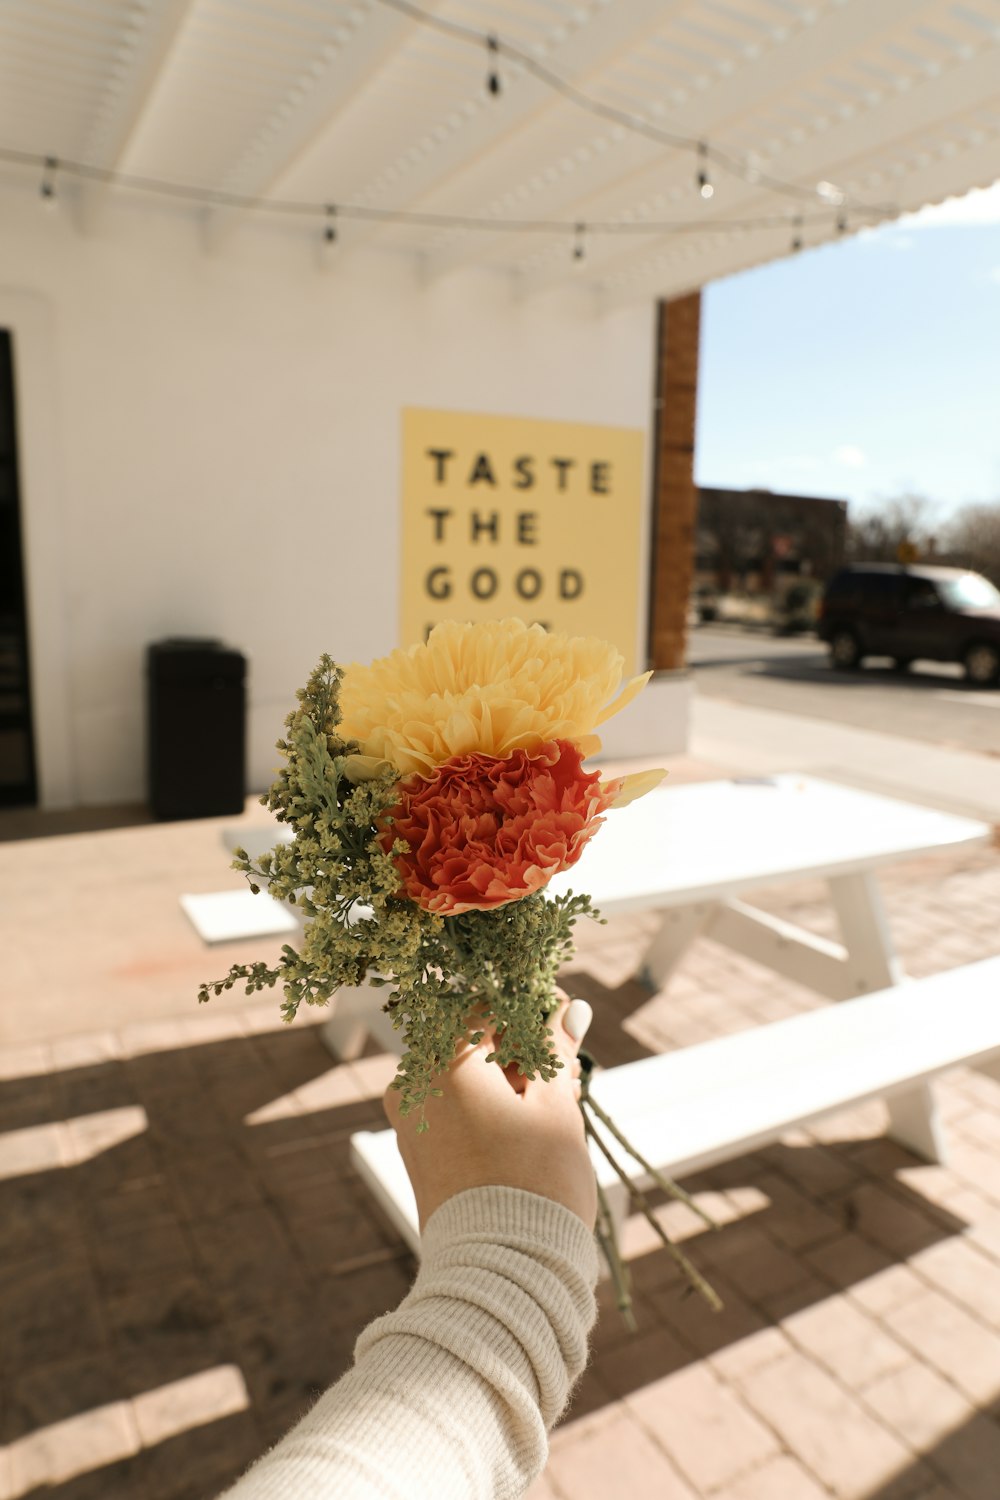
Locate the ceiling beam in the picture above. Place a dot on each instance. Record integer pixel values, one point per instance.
(348, 72)
(807, 51)
(446, 176)
(110, 147)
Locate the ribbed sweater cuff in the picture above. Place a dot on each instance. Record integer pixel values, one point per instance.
(504, 1214)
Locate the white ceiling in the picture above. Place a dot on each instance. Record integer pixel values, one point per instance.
(354, 102)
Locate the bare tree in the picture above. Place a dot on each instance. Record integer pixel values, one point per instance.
(972, 539)
(879, 533)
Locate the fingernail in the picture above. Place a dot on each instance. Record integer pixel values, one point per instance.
(578, 1018)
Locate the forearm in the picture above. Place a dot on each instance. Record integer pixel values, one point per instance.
(453, 1393)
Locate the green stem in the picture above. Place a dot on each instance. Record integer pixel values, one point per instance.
(642, 1204)
(608, 1241)
(666, 1184)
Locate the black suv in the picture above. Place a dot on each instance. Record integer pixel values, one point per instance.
(939, 614)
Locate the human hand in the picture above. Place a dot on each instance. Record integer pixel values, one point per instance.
(491, 1127)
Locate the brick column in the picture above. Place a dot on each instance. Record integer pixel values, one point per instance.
(674, 496)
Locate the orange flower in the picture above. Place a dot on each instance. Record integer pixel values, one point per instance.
(483, 830)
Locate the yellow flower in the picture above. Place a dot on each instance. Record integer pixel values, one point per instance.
(490, 688)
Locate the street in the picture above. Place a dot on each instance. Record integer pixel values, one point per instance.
(931, 702)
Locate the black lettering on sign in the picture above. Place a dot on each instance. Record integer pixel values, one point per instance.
(484, 583)
(481, 471)
(438, 583)
(489, 523)
(600, 479)
(440, 457)
(526, 521)
(528, 583)
(562, 467)
(439, 517)
(523, 468)
(570, 584)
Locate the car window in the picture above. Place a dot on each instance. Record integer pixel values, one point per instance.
(970, 591)
(880, 588)
(921, 594)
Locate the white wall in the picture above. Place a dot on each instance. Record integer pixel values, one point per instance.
(210, 446)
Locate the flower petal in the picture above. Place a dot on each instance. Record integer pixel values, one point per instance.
(365, 767)
(629, 691)
(489, 688)
(628, 789)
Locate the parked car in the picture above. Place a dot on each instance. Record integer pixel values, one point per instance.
(906, 612)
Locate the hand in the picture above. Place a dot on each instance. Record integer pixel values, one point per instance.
(495, 1128)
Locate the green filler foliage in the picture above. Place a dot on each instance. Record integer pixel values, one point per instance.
(447, 977)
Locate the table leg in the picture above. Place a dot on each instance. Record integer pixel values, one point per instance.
(679, 926)
(873, 965)
(357, 1014)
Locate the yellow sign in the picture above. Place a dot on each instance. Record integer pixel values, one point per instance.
(516, 516)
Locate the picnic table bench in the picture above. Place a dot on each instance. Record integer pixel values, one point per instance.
(701, 1105)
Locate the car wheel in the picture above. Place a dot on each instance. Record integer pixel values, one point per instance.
(845, 650)
(982, 663)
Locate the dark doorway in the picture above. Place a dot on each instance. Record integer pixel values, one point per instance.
(17, 751)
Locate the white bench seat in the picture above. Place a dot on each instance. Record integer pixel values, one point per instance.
(696, 1107)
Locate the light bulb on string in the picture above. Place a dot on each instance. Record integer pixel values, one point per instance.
(493, 77)
(579, 248)
(841, 223)
(797, 236)
(47, 188)
(705, 187)
(328, 244)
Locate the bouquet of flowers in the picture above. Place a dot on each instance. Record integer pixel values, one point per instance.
(433, 795)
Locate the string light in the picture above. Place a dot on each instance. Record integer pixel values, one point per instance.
(579, 248)
(47, 189)
(330, 231)
(797, 236)
(493, 77)
(527, 62)
(705, 187)
(204, 197)
(841, 223)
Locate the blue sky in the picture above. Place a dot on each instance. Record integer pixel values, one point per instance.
(863, 369)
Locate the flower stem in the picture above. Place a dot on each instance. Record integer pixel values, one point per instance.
(666, 1184)
(641, 1202)
(608, 1241)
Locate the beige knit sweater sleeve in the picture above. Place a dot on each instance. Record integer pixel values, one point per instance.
(451, 1396)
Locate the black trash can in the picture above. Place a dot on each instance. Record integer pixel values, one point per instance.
(196, 726)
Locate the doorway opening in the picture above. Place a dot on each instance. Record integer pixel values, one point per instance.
(18, 781)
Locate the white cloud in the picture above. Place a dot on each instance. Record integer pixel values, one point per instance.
(981, 206)
(850, 456)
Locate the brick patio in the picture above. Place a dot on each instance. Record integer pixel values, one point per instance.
(186, 1259)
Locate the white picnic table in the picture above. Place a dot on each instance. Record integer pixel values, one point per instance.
(694, 853)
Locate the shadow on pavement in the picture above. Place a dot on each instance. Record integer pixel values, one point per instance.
(203, 1244)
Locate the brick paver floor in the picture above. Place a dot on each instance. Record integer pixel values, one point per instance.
(186, 1258)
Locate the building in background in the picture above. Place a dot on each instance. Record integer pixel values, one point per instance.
(772, 552)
